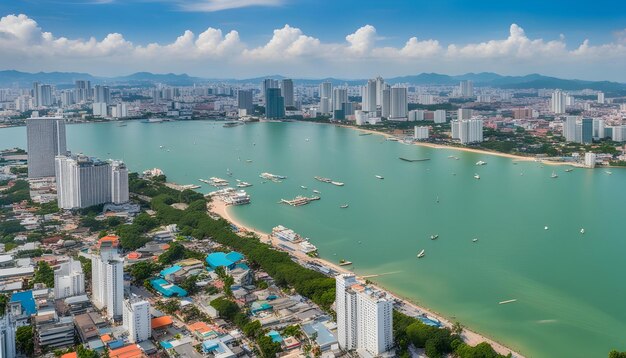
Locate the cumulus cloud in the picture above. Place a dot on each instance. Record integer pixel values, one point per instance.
(217, 53)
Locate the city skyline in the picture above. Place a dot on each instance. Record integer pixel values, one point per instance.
(381, 40)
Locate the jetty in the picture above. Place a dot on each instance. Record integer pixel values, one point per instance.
(414, 160)
(299, 200)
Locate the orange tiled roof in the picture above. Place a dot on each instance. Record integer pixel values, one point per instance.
(112, 240)
(105, 338)
(70, 355)
(160, 322)
(134, 255)
(129, 351)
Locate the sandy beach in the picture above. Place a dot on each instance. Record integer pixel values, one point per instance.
(466, 149)
(470, 337)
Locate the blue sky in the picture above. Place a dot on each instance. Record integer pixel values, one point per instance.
(452, 22)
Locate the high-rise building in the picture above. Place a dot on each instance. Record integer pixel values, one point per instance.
(426, 99)
(587, 131)
(368, 95)
(67, 98)
(42, 95)
(100, 109)
(325, 106)
(7, 335)
(464, 113)
(601, 97)
(119, 182)
(119, 110)
(590, 160)
(244, 101)
(416, 115)
(102, 94)
(466, 89)
(440, 116)
(467, 131)
(107, 277)
(83, 91)
(399, 104)
(286, 88)
(558, 102)
(364, 317)
(569, 128)
(380, 87)
(274, 104)
(83, 181)
(598, 129)
(420, 133)
(385, 106)
(69, 280)
(136, 318)
(46, 140)
(618, 133)
(267, 84)
(326, 90)
(340, 96)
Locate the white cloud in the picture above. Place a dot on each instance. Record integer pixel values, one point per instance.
(290, 51)
(219, 5)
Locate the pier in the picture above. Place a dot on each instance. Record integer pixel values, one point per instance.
(299, 200)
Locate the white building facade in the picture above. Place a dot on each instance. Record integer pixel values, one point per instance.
(136, 319)
(69, 280)
(46, 140)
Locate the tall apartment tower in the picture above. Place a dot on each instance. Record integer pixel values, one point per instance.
(399, 104)
(82, 181)
(340, 96)
(466, 88)
(102, 94)
(69, 280)
(364, 317)
(119, 182)
(46, 140)
(244, 101)
(558, 102)
(380, 87)
(274, 104)
(107, 277)
(385, 106)
(368, 95)
(267, 84)
(286, 88)
(136, 319)
(83, 91)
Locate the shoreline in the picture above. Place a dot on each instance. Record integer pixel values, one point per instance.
(469, 337)
(516, 157)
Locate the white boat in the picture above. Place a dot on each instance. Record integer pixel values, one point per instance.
(554, 175)
(303, 187)
(476, 176)
(582, 231)
(316, 191)
(421, 254)
(344, 206)
(474, 240)
(545, 228)
(161, 146)
(243, 184)
(507, 301)
(248, 161)
(337, 183)
(480, 162)
(434, 237)
(608, 172)
(379, 177)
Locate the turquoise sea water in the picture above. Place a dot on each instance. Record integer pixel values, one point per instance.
(569, 287)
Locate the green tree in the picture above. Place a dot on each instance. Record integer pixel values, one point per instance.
(83, 352)
(24, 340)
(144, 270)
(175, 252)
(268, 347)
(253, 329)
(44, 274)
(616, 354)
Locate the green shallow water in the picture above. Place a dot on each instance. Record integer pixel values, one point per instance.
(569, 287)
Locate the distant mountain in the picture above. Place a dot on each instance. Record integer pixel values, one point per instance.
(12, 78)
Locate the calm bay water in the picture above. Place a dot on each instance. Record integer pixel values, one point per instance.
(569, 287)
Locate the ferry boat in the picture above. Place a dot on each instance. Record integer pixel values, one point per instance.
(344, 206)
(554, 175)
(379, 177)
(299, 200)
(480, 162)
(476, 176)
(434, 237)
(421, 254)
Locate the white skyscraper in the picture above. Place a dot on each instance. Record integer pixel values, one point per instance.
(380, 87)
(46, 140)
(82, 181)
(326, 90)
(102, 94)
(340, 96)
(286, 89)
(466, 89)
(426, 99)
(467, 131)
(368, 95)
(440, 116)
(69, 280)
(325, 105)
(107, 277)
(399, 104)
(385, 107)
(364, 317)
(601, 97)
(136, 318)
(558, 102)
(598, 128)
(119, 182)
(100, 109)
(569, 128)
(82, 91)
(7, 335)
(420, 133)
(115, 287)
(120, 110)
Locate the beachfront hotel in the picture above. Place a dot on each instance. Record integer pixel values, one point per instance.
(364, 317)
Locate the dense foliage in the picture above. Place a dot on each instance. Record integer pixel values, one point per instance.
(18, 192)
(24, 340)
(44, 274)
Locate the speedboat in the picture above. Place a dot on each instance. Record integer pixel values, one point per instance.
(421, 254)
(474, 240)
(608, 172)
(379, 177)
(476, 176)
(303, 187)
(316, 191)
(344, 206)
(434, 237)
(545, 227)
(582, 231)
(480, 162)
(554, 175)
(568, 170)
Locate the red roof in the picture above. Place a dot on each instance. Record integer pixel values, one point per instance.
(129, 351)
(161, 322)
